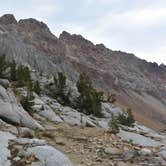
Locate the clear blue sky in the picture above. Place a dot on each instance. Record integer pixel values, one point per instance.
(136, 26)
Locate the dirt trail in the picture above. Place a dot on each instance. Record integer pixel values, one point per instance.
(85, 146)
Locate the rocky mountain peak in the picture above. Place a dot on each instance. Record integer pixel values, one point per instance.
(8, 19)
(33, 25)
(74, 39)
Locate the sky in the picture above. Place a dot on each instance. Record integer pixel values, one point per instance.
(134, 26)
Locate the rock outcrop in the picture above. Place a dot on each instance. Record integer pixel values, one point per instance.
(13, 113)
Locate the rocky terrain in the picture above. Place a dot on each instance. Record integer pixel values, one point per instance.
(137, 83)
(57, 135)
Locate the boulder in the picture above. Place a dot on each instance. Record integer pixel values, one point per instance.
(163, 154)
(108, 110)
(139, 139)
(26, 132)
(5, 83)
(45, 110)
(129, 154)
(34, 141)
(49, 156)
(12, 112)
(4, 151)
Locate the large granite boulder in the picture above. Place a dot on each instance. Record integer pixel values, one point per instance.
(49, 156)
(12, 112)
(4, 151)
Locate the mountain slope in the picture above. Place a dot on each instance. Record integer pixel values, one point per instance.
(137, 83)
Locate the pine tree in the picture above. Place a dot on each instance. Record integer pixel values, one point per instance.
(60, 89)
(3, 65)
(60, 83)
(126, 118)
(113, 125)
(23, 75)
(36, 87)
(27, 103)
(89, 100)
(130, 117)
(13, 71)
(96, 99)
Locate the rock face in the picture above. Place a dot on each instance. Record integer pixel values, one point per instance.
(137, 83)
(8, 19)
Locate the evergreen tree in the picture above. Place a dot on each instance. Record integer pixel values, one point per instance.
(60, 89)
(13, 71)
(89, 100)
(60, 83)
(130, 117)
(3, 65)
(84, 84)
(113, 125)
(27, 103)
(23, 75)
(96, 99)
(126, 118)
(36, 87)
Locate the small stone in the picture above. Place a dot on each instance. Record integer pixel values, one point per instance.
(99, 160)
(129, 154)
(16, 159)
(145, 151)
(89, 124)
(122, 164)
(37, 164)
(60, 141)
(112, 151)
(26, 132)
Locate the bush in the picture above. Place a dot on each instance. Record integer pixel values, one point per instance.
(89, 100)
(126, 119)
